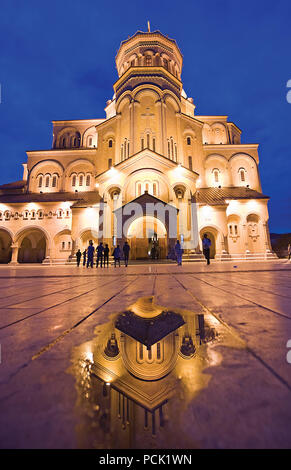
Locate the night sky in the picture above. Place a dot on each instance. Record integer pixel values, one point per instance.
(57, 62)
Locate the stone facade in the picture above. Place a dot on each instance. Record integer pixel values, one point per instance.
(150, 147)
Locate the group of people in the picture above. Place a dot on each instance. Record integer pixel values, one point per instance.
(102, 255)
(206, 244)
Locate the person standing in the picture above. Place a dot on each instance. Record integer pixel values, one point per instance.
(126, 250)
(116, 255)
(106, 255)
(179, 253)
(90, 254)
(99, 251)
(84, 257)
(289, 251)
(206, 243)
(78, 256)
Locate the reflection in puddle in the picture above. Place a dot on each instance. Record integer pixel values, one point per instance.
(136, 378)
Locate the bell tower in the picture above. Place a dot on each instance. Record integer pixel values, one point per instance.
(149, 58)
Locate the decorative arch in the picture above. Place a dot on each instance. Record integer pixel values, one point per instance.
(33, 243)
(79, 161)
(90, 132)
(138, 174)
(68, 133)
(215, 235)
(21, 233)
(6, 240)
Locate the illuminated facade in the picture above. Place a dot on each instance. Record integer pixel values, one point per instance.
(150, 148)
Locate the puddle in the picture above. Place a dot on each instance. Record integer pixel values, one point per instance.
(136, 377)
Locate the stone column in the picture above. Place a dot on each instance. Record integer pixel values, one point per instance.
(131, 126)
(118, 140)
(164, 107)
(179, 147)
(245, 238)
(160, 143)
(268, 245)
(194, 227)
(14, 255)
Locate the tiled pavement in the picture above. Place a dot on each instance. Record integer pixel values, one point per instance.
(46, 312)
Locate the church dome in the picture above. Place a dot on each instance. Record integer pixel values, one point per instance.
(149, 49)
(146, 307)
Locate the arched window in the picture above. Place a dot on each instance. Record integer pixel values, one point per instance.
(81, 178)
(88, 180)
(166, 64)
(7, 215)
(127, 149)
(242, 174)
(110, 142)
(150, 354)
(148, 141)
(190, 163)
(176, 155)
(158, 350)
(216, 175)
(33, 214)
(64, 142)
(121, 153)
(148, 60)
(188, 140)
(138, 189)
(142, 144)
(154, 144)
(40, 182)
(40, 214)
(90, 141)
(172, 148)
(1, 215)
(155, 189)
(47, 181)
(146, 187)
(75, 142)
(169, 151)
(74, 180)
(54, 182)
(109, 163)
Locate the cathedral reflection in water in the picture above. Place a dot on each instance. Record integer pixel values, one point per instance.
(137, 375)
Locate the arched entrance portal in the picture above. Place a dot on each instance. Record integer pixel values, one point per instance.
(5, 247)
(32, 247)
(212, 235)
(147, 237)
(85, 238)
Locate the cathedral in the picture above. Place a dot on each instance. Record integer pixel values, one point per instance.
(150, 172)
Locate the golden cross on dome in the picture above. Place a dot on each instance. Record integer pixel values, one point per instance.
(149, 27)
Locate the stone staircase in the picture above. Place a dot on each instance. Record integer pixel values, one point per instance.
(190, 257)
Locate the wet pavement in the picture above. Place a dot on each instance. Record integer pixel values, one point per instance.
(149, 356)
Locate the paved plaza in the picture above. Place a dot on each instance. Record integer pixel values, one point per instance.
(236, 392)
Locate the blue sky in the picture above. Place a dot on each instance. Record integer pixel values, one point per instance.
(57, 62)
